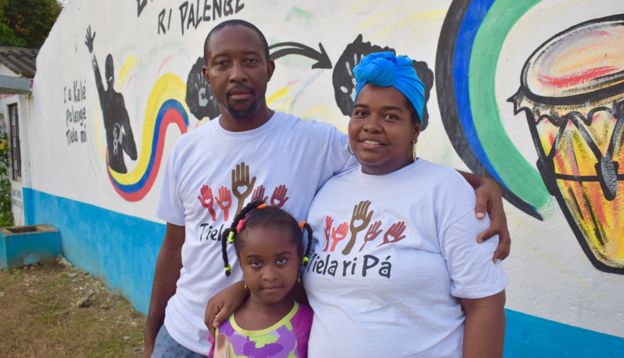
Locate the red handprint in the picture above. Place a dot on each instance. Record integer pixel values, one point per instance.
(258, 194)
(395, 232)
(338, 234)
(279, 198)
(225, 202)
(207, 201)
(240, 178)
(359, 220)
(372, 233)
(328, 226)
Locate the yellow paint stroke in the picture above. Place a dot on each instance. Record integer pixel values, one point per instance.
(129, 64)
(277, 95)
(168, 86)
(380, 20)
(597, 218)
(316, 112)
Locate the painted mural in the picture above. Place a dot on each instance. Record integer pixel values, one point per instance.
(596, 231)
(530, 93)
(198, 100)
(119, 137)
(571, 93)
(74, 96)
(467, 115)
(573, 97)
(164, 107)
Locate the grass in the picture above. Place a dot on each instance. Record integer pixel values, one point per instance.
(53, 310)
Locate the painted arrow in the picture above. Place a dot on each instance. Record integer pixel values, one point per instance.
(294, 48)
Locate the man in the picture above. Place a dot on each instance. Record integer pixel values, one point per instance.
(250, 151)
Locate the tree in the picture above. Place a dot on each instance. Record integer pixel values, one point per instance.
(7, 35)
(26, 23)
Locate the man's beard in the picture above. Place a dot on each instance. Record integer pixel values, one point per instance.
(242, 113)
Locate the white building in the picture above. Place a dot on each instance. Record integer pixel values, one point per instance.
(17, 68)
(559, 60)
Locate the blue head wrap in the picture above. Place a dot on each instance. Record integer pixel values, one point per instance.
(384, 69)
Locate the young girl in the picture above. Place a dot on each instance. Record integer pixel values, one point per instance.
(269, 246)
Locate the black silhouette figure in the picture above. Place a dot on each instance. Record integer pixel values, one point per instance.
(344, 80)
(119, 137)
(199, 97)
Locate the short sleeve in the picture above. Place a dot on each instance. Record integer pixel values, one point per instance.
(338, 154)
(302, 324)
(471, 269)
(169, 207)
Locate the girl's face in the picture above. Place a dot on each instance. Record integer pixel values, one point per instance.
(270, 261)
(381, 132)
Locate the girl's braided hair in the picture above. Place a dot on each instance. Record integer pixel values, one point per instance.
(257, 213)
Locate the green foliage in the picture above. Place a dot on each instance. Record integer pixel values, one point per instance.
(26, 23)
(8, 37)
(6, 216)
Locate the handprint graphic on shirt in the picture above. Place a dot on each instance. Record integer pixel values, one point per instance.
(359, 221)
(328, 227)
(279, 198)
(372, 233)
(338, 234)
(225, 202)
(240, 179)
(258, 194)
(207, 201)
(394, 234)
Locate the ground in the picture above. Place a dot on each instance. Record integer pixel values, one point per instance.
(55, 310)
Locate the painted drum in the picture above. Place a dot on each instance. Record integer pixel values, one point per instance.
(572, 93)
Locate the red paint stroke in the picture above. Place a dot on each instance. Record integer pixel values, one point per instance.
(165, 62)
(575, 79)
(597, 202)
(551, 141)
(170, 116)
(130, 81)
(600, 33)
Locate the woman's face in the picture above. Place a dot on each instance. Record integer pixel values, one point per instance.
(381, 132)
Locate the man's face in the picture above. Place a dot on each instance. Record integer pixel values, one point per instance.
(237, 70)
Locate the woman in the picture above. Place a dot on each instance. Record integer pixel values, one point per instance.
(396, 270)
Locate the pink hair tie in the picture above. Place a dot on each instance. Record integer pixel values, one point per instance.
(240, 225)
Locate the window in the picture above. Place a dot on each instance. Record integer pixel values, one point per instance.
(14, 142)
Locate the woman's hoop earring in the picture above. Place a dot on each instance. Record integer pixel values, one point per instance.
(349, 148)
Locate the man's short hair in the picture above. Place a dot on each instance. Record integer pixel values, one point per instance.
(237, 22)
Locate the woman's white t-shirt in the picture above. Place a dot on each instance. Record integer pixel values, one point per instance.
(391, 254)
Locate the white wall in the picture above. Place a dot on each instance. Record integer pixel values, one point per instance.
(550, 275)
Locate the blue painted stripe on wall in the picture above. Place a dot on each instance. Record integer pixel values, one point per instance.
(530, 336)
(119, 249)
(468, 30)
(122, 250)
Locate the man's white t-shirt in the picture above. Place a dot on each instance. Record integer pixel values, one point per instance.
(211, 174)
(391, 254)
